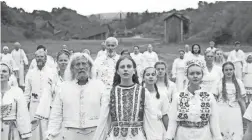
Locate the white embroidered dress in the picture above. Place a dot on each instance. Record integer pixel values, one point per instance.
(15, 120)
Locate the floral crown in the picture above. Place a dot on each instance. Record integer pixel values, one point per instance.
(197, 62)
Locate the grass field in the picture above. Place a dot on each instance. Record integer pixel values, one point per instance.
(166, 52)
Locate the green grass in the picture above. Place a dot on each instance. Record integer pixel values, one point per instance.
(166, 52)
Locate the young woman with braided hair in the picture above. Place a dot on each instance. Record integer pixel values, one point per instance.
(194, 112)
(163, 83)
(160, 103)
(126, 107)
(230, 94)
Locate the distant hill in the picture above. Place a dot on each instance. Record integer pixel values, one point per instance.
(60, 23)
(223, 22)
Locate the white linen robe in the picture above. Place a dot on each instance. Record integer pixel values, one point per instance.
(178, 72)
(36, 83)
(238, 58)
(150, 58)
(14, 115)
(20, 58)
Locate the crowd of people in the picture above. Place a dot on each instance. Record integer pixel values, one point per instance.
(126, 96)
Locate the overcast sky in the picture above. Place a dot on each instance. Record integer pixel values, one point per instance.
(88, 7)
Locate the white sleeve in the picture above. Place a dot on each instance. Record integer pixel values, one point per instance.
(33, 64)
(25, 58)
(28, 88)
(172, 128)
(214, 120)
(23, 116)
(56, 116)
(174, 70)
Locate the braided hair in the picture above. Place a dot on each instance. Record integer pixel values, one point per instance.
(155, 85)
(166, 75)
(117, 78)
(234, 80)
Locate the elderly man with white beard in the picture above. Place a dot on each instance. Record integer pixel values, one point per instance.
(76, 106)
(37, 79)
(105, 64)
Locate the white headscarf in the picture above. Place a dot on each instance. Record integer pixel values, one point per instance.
(68, 76)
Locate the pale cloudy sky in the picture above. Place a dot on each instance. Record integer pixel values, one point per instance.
(87, 7)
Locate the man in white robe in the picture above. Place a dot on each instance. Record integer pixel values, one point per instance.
(76, 108)
(178, 71)
(7, 57)
(211, 46)
(188, 53)
(21, 60)
(37, 79)
(138, 58)
(103, 51)
(105, 64)
(49, 60)
(150, 57)
(237, 56)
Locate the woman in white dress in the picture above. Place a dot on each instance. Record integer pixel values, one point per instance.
(230, 94)
(219, 59)
(15, 118)
(196, 53)
(138, 58)
(178, 71)
(213, 73)
(194, 113)
(160, 103)
(163, 83)
(247, 76)
(126, 108)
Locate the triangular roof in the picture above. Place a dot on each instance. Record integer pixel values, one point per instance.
(180, 16)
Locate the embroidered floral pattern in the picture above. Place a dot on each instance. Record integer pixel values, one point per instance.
(126, 102)
(205, 106)
(183, 107)
(5, 110)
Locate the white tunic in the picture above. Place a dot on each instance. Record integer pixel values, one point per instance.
(14, 110)
(211, 78)
(20, 58)
(178, 72)
(138, 58)
(8, 59)
(150, 58)
(157, 129)
(36, 83)
(49, 62)
(13, 80)
(195, 57)
(80, 109)
(188, 54)
(170, 91)
(105, 68)
(101, 53)
(238, 58)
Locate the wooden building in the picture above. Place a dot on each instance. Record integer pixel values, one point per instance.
(94, 32)
(176, 27)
